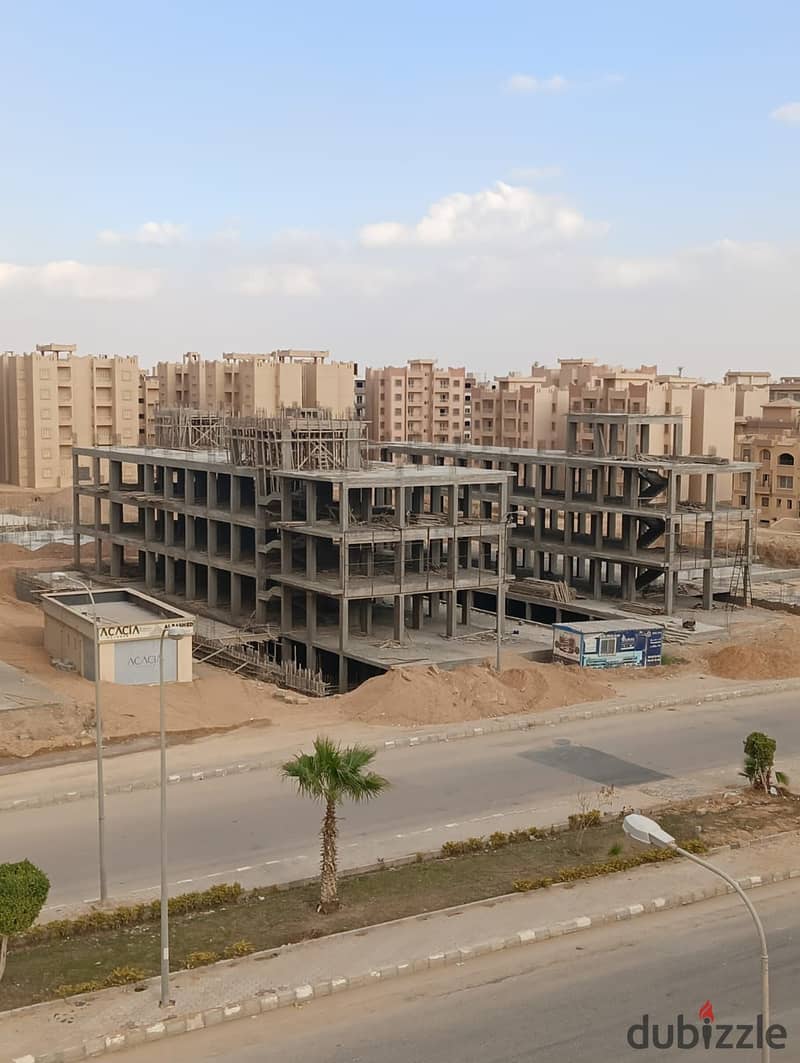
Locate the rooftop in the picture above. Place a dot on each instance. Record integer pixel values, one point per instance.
(600, 627)
(686, 465)
(116, 606)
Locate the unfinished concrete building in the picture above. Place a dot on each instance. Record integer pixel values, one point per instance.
(290, 528)
(611, 525)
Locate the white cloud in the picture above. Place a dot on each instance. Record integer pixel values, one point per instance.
(636, 272)
(278, 280)
(788, 113)
(690, 264)
(527, 84)
(77, 280)
(501, 213)
(155, 233)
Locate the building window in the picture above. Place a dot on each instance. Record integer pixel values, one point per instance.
(47, 454)
(126, 396)
(127, 414)
(785, 459)
(785, 482)
(44, 373)
(789, 503)
(126, 374)
(746, 455)
(765, 455)
(45, 415)
(742, 500)
(47, 474)
(46, 433)
(44, 393)
(764, 500)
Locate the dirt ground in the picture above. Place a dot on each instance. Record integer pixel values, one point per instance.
(758, 645)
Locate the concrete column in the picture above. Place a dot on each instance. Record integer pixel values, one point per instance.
(417, 602)
(400, 562)
(595, 574)
(708, 555)
(236, 594)
(116, 560)
(466, 607)
(452, 613)
(114, 473)
(191, 581)
(149, 479)
(311, 557)
(213, 586)
(344, 624)
(628, 582)
(98, 555)
(311, 619)
(149, 568)
(311, 502)
(365, 610)
(343, 679)
(399, 618)
(669, 592)
(169, 574)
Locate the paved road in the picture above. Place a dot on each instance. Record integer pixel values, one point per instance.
(253, 827)
(566, 1001)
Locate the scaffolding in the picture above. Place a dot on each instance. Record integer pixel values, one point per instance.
(184, 428)
(299, 439)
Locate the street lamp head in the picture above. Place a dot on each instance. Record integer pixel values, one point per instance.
(174, 632)
(646, 831)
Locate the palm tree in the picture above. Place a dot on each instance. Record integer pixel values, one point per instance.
(330, 775)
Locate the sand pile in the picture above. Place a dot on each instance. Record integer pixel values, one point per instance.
(772, 657)
(406, 696)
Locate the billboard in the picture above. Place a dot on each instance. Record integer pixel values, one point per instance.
(138, 663)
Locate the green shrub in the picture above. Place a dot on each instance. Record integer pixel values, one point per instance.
(218, 896)
(200, 959)
(23, 891)
(615, 849)
(516, 836)
(608, 867)
(498, 839)
(239, 948)
(582, 820)
(119, 976)
(759, 760)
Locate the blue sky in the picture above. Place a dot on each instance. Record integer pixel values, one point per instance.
(203, 176)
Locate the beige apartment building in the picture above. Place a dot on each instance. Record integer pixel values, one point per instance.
(419, 403)
(519, 411)
(244, 384)
(148, 404)
(52, 399)
(773, 440)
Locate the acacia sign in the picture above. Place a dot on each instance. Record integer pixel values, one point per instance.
(122, 632)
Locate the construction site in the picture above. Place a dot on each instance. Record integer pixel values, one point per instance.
(325, 564)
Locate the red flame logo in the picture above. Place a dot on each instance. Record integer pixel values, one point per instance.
(707, 1011)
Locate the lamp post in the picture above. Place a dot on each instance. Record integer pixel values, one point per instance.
(98, 729)
(646, 831)
(173, 633)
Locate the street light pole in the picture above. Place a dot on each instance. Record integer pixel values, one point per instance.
(648, 832)
(165, 1002)
(98, 730)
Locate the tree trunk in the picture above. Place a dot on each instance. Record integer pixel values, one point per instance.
(3, 954)
(329, 893)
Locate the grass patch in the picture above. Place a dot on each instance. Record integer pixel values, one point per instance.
(264, 919)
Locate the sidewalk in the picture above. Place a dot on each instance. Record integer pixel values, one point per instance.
(252, 749)
(64, 1031)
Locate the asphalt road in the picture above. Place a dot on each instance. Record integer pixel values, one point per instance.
(254, 828)
(570, 1000)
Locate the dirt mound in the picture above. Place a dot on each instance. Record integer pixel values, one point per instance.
(775, 657)
(407, 696)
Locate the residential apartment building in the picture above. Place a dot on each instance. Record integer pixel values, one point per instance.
(788, 387)
(265, 383)
(519, 411)
(52, 399)
(773, 440)
(148, 404)
(420, 402)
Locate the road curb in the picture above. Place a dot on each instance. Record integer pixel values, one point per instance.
(574, 715)
(269, 1000)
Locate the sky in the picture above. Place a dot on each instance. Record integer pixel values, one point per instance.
(490, 185)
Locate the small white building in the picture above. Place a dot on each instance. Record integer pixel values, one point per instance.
(129, 629)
